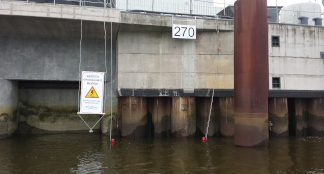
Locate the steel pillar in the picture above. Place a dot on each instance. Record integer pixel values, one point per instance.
(251, 73)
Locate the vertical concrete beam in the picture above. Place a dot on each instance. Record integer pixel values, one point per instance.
(301, 117)
(183, 116)
(278, 115)
(203, 107)
(134, 116)
(251, 73)
(9, 97)
(161, 116)
(316, 116)
(226, 106)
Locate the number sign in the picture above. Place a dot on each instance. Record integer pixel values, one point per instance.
(184, 31)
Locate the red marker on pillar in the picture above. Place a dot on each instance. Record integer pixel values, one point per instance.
(203, 139)
(112, 140)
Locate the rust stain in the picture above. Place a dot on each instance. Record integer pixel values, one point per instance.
(250, 72)
(133, 116)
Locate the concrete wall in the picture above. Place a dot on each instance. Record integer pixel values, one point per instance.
(297, 61)
(50, 59)
(9, 97)
(153, 60)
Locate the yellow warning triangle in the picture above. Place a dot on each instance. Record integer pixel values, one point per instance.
(92, 93)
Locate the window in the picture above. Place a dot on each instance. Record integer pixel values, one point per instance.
(275, 41)
(275, 82)
(322, 54)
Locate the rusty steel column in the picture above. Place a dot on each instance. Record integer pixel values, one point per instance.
(226, 116)
(301, 117)
(134, 116)
(203, 107)
(161, 116)
(251, 73)
(183, 116)
(278, 115)
(316, 116)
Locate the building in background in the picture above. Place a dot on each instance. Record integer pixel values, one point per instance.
(272, 12)
(302, 13)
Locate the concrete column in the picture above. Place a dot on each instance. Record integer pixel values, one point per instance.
(278, 115)
(251, 73)
(9, 98)
(160, 109)
(226, 106)
(203, 107)
(134, 116)
(315, 108)
(183, 116)
(301, 117)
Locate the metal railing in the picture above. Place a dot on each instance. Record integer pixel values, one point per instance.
(201, 7)
(196, 7)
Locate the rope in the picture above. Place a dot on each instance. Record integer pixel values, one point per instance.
(212, 99)
(110, 79)
(91, 128)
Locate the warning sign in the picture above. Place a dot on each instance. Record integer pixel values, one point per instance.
(92, 92)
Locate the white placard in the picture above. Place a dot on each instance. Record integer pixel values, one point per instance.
(183, 31)
(92, 92)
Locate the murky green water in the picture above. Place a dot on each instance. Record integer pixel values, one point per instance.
(91, 153)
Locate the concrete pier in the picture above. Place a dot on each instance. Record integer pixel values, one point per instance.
(278, 115)
(160, 109)
(301, 123)
(9, 98)
(183, 116)
(134, 117)
(316, 116)
(226, 106)
(251, 73)
(203, 107)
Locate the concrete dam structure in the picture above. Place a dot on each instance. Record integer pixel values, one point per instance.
(161, 86)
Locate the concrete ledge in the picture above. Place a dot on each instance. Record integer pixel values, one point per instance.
(21, 8)
(168, 20)
(218, 93)
(175, 92)
(297, 93)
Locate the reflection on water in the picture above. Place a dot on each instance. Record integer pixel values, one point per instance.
(92, 153)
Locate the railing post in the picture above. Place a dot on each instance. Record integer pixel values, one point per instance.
(152, 5)
(224, 8)
(190, 6)
(126, 5)
(54, 2)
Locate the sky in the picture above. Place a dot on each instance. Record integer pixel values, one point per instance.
(273, 2)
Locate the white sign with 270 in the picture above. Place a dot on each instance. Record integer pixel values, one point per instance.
(183, 31)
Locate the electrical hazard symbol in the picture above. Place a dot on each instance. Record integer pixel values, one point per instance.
(92, 93)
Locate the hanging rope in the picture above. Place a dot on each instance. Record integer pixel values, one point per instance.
(91, 128)
(110, 79)
(212, 99)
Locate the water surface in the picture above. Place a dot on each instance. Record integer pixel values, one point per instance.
(92, 153)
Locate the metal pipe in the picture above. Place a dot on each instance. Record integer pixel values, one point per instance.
(277, 12)
(126, 4)
(152, 5)
(54, 2)
(190, 6)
